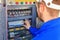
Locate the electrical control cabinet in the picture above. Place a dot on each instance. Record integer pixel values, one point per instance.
(16, 19)
(12, 16)
(18, 11)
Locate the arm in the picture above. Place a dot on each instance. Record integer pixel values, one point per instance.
(33, 30)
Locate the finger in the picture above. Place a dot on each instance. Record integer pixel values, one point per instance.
(26, 21)
(24, 25)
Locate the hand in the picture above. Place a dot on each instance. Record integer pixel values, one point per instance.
(27, 24)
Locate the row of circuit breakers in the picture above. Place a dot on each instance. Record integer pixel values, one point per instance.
(19, 12)
(16, 17)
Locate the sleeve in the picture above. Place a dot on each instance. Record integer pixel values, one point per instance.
(33, 30)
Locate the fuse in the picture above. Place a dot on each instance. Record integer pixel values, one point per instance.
(17, 29)
(22, 13)
(10, 13)
(12, 34)
(19, 13)
(14, 11)
(11, 29)
(25, 13)
(22, 28)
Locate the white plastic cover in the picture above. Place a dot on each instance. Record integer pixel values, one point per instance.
(54, 6)
(0, 1)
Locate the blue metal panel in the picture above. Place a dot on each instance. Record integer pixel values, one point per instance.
(34, 16)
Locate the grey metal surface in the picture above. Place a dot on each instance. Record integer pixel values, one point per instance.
(18, 6)
(2, 23)
(39, 23)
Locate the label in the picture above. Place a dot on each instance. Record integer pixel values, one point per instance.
(24, 0)
(0, 1)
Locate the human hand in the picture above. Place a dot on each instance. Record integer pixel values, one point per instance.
(27, 24)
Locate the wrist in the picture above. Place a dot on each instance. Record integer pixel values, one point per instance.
(28, 27)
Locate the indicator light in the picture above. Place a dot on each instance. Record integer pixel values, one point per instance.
(17, 3)
(21, 2)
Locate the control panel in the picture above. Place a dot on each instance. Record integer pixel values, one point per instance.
(17, 12)
(16, 17)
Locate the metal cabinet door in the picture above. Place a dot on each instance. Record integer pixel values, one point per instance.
(2, 23)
